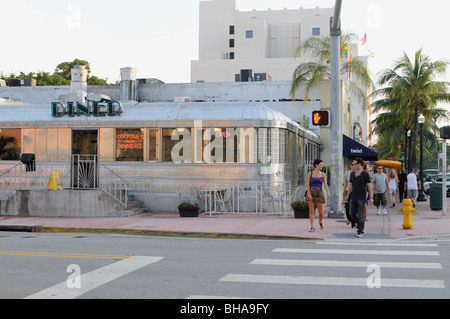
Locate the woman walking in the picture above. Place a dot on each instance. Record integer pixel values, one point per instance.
(315, 182)
(393, 185)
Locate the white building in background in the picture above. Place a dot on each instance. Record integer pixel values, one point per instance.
(262, 41)
(241, 46)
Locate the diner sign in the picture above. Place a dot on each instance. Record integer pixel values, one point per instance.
(97, 109)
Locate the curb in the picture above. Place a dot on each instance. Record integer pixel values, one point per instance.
(150, 233)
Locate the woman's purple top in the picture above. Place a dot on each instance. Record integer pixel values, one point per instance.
(316, 182)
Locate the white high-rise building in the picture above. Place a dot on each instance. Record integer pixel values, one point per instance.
(264, 42)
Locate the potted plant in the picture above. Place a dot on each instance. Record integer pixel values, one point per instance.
(301, 209)
(188, 209)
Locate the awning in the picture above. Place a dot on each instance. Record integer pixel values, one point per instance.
(353, 149)
(389, 164)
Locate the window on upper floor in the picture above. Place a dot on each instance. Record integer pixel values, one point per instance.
(249, 34)
(231, 43)
(316, 31)
(231, 29)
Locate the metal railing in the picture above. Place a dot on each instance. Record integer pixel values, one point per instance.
(114, 185)
(247, 197)
(75, 172)
(35, 176)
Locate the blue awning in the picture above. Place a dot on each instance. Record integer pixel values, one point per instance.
(353, 149)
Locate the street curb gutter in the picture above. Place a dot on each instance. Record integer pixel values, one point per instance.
(150, 233)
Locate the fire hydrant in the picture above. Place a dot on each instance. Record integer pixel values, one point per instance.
(407, 210)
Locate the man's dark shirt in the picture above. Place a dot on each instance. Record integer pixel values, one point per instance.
(359, 185)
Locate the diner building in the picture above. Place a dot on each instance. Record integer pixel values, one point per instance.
(146, 145)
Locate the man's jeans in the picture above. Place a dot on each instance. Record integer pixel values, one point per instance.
(357, 213)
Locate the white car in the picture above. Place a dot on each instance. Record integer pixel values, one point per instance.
(438, 180)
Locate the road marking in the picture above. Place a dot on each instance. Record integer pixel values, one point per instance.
(96, 278)
(333, 281)
(356, 252)
(378, 244)
(335, 263)
(64, 255)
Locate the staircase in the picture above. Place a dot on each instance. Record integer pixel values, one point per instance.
(132, 207)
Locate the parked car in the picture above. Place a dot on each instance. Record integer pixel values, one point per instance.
(428, 172)
(438, 180)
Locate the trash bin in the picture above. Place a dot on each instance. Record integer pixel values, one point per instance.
(436, 196)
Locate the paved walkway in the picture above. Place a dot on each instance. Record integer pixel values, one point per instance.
(426, 222)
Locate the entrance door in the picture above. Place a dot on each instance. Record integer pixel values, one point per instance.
(84, 159)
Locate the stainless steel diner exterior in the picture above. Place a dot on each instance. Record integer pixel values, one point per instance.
(161, 152)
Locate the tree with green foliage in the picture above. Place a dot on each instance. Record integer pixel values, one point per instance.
(408, 90)
(61, 76)
(317, 69)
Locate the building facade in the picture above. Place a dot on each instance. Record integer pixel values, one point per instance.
(264, 42)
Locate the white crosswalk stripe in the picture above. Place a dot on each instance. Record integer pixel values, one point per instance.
(337, 263)
(356, 252)
(96, 278)
(333, 281)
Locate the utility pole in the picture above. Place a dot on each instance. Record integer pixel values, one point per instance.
(336, 116)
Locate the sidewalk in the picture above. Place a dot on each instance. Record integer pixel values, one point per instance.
(425, 223)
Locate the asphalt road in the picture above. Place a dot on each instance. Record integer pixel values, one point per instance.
(127, 267)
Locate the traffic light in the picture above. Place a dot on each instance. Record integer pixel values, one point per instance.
(321, 118)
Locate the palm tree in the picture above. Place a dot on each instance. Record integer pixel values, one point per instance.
(408, 90)
(317, 69)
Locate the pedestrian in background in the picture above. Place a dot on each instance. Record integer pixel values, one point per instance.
(393, 185)
(366, 168)
(381, 186)
(412, 186)
(360, 184)
(347, 204)
(315, 182)
(401, 185)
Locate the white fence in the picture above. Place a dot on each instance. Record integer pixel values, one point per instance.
(262, 198)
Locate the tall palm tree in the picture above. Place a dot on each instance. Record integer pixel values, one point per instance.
(408, 90)
(317, 52)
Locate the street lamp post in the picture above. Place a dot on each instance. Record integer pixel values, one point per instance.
(422, 197)
(407, 166)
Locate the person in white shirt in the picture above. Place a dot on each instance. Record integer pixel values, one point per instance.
(412, 186)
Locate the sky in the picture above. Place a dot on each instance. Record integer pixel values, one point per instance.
(160, 38)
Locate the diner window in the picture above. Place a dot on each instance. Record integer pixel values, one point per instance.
(152, 145)
(129, 145)
(10, 144)
(220, 145)
(176, 145)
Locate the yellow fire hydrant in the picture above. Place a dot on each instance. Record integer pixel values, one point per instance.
(407, 210)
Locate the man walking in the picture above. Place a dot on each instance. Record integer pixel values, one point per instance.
(401, 185)
(357, 192)
(381, 185)
(347, 176)
(412, 186)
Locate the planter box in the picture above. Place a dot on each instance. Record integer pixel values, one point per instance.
(301, 213)
(189, 212)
